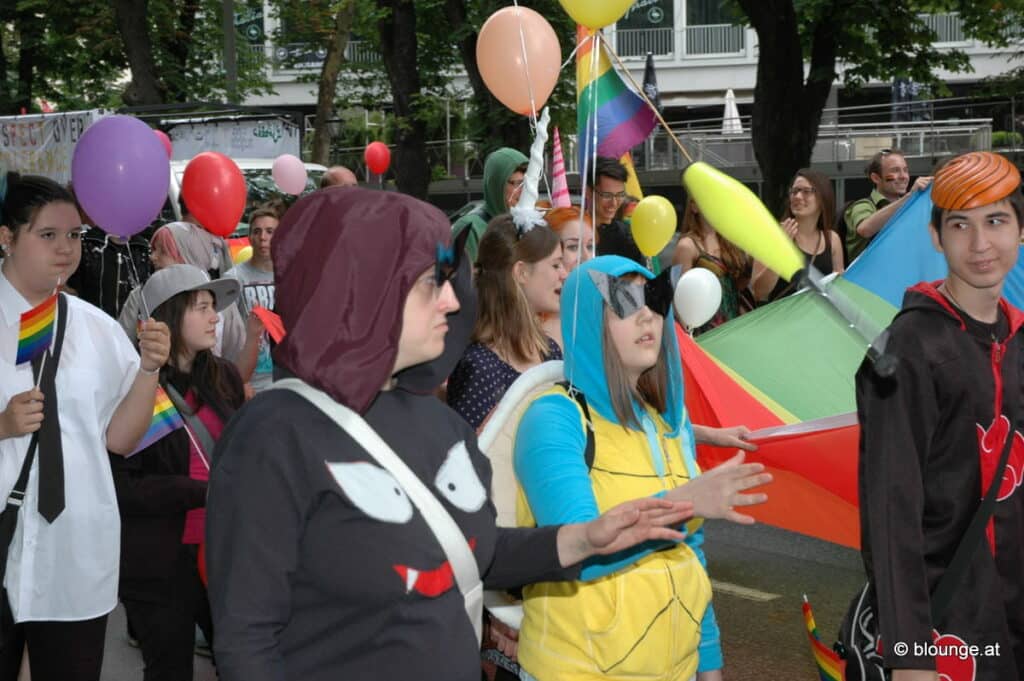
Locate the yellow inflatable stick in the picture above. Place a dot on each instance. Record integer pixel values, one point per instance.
(736, 213)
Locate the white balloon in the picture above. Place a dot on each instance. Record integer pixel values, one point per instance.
(698, 297)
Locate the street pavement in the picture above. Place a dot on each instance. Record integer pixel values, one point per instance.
(760, 575)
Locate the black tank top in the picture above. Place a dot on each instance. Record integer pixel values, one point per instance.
(822, 262)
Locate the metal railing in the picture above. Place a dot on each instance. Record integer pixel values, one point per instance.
(948, 27)
(305, 56)
(637, 42)
(714, 39)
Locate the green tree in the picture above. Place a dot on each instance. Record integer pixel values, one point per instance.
(873, 40)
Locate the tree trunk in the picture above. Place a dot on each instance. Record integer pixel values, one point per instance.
(328, 83)
(31, 35)
(493, 125)
(145, 87)
(177, 46)
(787, 111)
(399, 48)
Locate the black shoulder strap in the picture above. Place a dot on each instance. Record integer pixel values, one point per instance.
(581, 399)
(946, 587)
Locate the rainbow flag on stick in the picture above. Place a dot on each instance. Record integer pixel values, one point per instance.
(830, 667)
(622, 117)
(35, 335)
(165, 421)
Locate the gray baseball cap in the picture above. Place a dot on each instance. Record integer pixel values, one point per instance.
(170, 281)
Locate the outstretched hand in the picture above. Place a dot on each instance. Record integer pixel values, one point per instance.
(716, 493)
(626, 525)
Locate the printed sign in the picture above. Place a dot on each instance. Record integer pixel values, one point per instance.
(266, 138)
(43, 144)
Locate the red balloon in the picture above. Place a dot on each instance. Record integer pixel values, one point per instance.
(214, 191)
(378, 157)
(164, 140)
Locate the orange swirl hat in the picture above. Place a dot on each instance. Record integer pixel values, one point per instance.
(974, 179)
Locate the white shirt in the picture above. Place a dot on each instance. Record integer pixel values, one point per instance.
(67, 570)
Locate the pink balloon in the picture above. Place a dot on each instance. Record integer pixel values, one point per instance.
(165, 140)
(289, 174)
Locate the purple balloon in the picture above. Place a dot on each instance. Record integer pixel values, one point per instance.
(121, 174)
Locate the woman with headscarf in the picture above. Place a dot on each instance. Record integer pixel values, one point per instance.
(320, 566)
(182, 243)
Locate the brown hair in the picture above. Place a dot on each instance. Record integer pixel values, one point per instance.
(874, 166)
(264, 211)
(736, 261)
(214, 385)
(826, 198)
(505, 321)
(651, 388)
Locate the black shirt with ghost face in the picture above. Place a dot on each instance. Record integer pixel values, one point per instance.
(321, 568)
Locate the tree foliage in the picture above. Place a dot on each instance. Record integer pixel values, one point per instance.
(853, 40)
(75, 56)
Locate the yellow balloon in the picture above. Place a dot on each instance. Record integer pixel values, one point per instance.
(653, 224)
(596, 13)
(736, 213)
(243, 255)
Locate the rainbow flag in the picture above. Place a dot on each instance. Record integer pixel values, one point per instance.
(830, 667)
(166, 420)
(622, 117)
(35, 335)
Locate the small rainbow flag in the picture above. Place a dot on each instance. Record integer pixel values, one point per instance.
(36, 331)
(166, 420)
(622, 117)
(830, 667)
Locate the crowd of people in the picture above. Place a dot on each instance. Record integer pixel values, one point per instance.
(330, 486)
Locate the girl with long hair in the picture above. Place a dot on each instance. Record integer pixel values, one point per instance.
(519, 279)
(161, 490)
(620, 430)
(701, 246)
(809, 221)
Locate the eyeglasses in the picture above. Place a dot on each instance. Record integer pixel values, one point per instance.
(802, 191)
(618, 197)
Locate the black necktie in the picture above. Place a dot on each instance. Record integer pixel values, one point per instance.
(50, 449)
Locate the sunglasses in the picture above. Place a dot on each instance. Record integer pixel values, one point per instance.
(446, 263)
(626, 297)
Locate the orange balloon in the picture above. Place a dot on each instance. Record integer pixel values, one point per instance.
(509, 71)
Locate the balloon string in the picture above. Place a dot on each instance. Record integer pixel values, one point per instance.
(529, 87)
(592, 125)
(135, 277)
(572, 55)
(643, 94)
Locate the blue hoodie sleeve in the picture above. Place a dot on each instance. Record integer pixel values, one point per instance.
(550, 466)
(710, 648)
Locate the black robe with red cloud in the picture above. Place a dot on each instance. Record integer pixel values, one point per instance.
(320, 567)
(931, 438)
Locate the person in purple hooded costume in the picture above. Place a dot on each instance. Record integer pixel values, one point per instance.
(318, 569)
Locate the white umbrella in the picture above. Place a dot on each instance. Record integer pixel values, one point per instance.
(731, 123)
